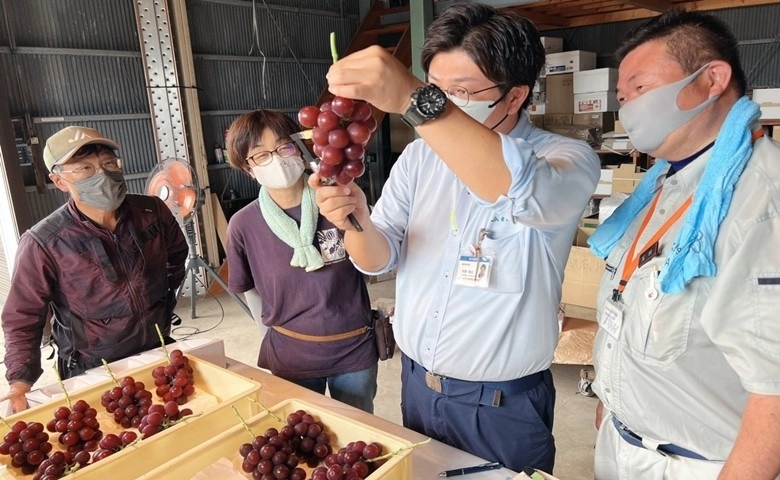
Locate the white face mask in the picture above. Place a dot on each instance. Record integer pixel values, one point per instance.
(280, 172)
(479, 110)
(650, 118)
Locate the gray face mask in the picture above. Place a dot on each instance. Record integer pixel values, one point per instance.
(104, 191)
(650, 118)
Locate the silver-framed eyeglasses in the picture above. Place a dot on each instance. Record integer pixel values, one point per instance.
(460, 96)
(87, 170)
(284, 150)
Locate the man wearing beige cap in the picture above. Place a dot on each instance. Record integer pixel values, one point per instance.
(105, 265)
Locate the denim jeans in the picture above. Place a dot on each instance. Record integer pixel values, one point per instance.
(355, 388)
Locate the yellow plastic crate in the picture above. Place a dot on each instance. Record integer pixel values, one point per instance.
(224, 448)
(216, 390)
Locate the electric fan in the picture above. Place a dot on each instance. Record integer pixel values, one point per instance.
(174, 182)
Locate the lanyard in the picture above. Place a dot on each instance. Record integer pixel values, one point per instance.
(632, 263)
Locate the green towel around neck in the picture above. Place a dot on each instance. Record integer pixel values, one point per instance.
(287, 230)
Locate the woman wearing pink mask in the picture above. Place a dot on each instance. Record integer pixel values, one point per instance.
(291, 264)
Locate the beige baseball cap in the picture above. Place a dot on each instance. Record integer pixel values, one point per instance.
(61, 146)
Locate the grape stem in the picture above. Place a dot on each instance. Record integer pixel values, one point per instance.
(266, 409)
(162, 342)
(333, 50)
(167, 423)
(2, 420)
(110, 373)
(62, 386)
(246, 426)
(396, 452)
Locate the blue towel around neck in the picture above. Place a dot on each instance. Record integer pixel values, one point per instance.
(692, 255)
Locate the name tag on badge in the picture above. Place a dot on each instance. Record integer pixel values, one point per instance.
(473, 271)
(612, 318)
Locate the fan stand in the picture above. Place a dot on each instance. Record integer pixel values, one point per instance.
(194, 263)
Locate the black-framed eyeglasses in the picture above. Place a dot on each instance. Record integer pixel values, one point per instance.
(88, 170)
(284, 150)
(460, 96)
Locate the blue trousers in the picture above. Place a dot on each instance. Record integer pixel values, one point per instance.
(513, 427)
(355, 388)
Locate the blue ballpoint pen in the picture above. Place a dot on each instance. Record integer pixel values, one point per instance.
(466, 470)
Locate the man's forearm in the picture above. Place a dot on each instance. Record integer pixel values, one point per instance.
(368, 249)
(756, 453)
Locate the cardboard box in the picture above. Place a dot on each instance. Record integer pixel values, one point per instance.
(537, 110)
(597, 80)
(216, 389)
(575, 343)
(604, 186)
(560, 94)
(537, 120)
(201, 462)
(556, 119)
(582, 275)
(568, 62)
(603, 120)
(619, 127)
(625, 178)
(552, 44)
(382, 277)
(596, 102)
(590, 135)
(769, 101)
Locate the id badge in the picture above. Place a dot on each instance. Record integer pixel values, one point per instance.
(474, 271)
(612, 318)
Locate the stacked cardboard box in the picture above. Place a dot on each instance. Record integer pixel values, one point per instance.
(583, 272)
(625, 178)
(594, 91)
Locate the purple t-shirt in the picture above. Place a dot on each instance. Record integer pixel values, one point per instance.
(328, 301)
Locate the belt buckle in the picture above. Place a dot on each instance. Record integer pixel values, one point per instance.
(433, 381)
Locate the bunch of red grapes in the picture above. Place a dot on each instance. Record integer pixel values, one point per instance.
(60, 464)
(277, 453)
(111, 443)
(340, 130)
(174, 381)
(350, 462)
(128, 402)
(159, 417)
(79, 428)
(27, 444)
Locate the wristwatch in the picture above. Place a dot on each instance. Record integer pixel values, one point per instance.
(428, 102)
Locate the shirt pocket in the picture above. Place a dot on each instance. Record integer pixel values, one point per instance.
(766, 291)
(505, 247)
(656, 330)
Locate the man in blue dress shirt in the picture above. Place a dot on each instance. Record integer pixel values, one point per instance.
(481, 190)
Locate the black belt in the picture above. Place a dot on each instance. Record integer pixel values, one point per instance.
(663, 449)
(491, 391)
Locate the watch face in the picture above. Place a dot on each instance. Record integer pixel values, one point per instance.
(430, 101)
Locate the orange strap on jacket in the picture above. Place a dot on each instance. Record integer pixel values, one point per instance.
(632, 263)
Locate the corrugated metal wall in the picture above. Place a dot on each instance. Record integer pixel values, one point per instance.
(79, 62)
(756, 28)
(232, 77)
